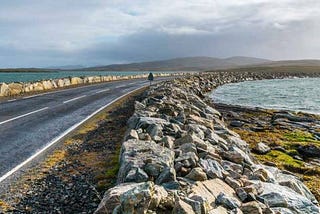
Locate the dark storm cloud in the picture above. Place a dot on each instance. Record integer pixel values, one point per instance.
(96, 32)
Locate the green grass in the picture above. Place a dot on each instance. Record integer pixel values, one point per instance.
(300, 136)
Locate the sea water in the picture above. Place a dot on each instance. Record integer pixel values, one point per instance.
(8, 77)
(297, 94)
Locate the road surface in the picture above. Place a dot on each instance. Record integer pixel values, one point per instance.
(31, 124)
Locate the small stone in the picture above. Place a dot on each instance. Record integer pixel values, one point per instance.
(167, 175)
(197, 174)
(233, 183)
(252, 207)
(182, 207)
(136, 175)
(228, 202)
(261, 148)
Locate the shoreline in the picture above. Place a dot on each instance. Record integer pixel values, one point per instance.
(221, 101)
(162, 195)
(206, 167)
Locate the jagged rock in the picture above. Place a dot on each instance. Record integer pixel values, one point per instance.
(189, 138)
(293, 183)
(261, 148)
(15, 88)
(168, 141)
(197, 174)
(228, 202)
(252, 207)
(167, 175)
(188, 159)
(233, 183)
(204, 205)
(4, 90)
(196, 205)
(182, 207)
(137, 199)
(188, 147)
(212, 168)
(202, 121)
(111, 198)
(236, 155)
(136, 154)
(276, 195)
(131, 134)
(136, 175)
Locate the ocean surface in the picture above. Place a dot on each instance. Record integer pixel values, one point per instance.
(34, 76)
(285, 94)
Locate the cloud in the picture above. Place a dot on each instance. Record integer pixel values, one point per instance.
(44, 33)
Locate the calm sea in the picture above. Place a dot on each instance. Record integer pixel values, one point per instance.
(290, 94)
(34, 76)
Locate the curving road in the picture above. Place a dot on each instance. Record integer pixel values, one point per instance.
(29, 125)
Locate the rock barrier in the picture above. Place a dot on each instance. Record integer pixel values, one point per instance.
(12, 89)
(178, 156)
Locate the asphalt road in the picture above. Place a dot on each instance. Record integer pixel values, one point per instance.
(29, 124)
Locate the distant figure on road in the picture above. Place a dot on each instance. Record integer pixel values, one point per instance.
(150, 77)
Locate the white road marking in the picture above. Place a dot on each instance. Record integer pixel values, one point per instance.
(119, 86)
(37, 95)
(11, 100)
(102, 91)
(5, 176)
(67, 101)
(15, 118)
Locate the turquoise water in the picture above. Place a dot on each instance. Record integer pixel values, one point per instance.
(289, 94)
(34, 76)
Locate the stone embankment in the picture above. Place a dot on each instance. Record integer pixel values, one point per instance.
(178, 156)
(12, 89)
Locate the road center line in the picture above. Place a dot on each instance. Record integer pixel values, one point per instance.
(102, 91)
(119, 86)
(15, 118)
(11, 100)
(67, 101)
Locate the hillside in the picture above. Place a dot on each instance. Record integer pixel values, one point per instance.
(186, 64)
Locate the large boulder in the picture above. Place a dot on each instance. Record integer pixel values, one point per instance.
(15, 88)
(276, 195)
(137, 154)
(4, 90)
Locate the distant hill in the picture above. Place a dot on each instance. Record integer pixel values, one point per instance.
(66, 67)
(183, 64)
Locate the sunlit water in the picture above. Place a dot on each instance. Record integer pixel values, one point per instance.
(289, 94)
(34, 76)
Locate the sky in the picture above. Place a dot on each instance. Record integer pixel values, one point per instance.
(44, 33)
